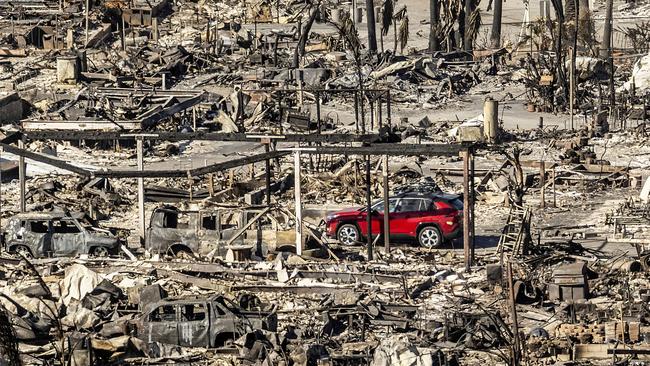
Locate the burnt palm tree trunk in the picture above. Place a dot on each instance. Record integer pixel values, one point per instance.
(434, 44)
(372, 36)
(605, 51)
(495, 36)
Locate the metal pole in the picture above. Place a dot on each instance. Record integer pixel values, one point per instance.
(466, 214)
(386, 205)
(368, 208)
(296, 184)
(21, 176)
(140, 153)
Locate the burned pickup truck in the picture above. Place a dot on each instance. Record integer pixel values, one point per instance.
(211, 231)
(209, 322)
(56, 234)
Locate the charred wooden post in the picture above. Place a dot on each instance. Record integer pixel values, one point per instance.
(141, 224)
(318, 112)
(472, 201)
(571, 84)
(298, 202)
(21, 175)
(388, 104)
(369, 212)
(386, 205)
(542, 183)
(554, 195)
(466, 216)
(267, 167)
(516, 346)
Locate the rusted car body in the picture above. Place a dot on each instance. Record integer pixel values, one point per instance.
(210, 231)
(51, 234)
(209, 322)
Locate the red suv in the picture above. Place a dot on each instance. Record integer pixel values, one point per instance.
(430, 218)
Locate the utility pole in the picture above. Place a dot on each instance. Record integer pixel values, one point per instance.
(434, 44)
(370, 18)
(495, 36)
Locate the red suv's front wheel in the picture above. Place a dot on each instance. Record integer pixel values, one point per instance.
(430, 237)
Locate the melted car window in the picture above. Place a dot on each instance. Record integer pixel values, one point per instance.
(65, 227)
(209, 222)
(38, 226)
(165, 313)
(193, 312)
(176, 220)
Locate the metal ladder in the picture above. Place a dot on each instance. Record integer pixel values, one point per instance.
(513, 234)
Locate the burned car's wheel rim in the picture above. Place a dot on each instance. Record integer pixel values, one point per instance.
(23, 252)
(429, 237)
(348, 234)
(100, 252)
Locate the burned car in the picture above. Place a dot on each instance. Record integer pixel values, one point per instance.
(52, 234)
(209, 231)
(201, 321)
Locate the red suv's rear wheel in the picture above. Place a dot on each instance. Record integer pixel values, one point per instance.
(430, 237)
(348, 234)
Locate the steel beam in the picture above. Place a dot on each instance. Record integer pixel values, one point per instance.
(146, 173)
(45, 159)
(198, 136)
(394, 149)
